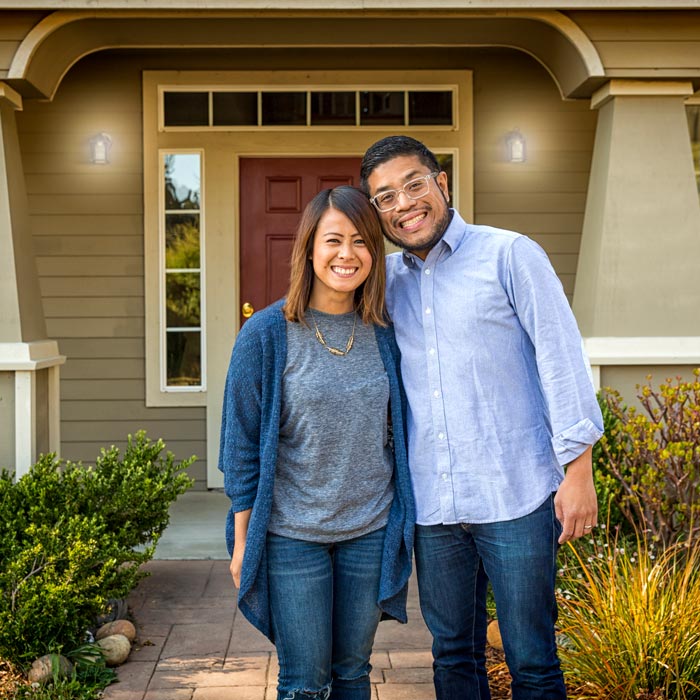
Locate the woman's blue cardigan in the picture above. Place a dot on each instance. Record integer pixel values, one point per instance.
(248, 456)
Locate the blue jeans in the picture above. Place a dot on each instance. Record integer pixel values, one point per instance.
(454, 564)
(323, 600)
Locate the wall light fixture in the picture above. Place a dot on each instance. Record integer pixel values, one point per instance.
(100, 145)
(516, 147)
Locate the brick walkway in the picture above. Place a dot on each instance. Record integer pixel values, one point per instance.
(193, 644)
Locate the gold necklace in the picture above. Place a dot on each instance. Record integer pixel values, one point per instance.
(322, 340)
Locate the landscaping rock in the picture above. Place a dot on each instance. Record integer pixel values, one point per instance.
(493, 635)
(116, 648)
(42, 669)
(117, 627)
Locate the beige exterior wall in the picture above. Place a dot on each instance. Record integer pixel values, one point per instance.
(87, 220)
(544, 197)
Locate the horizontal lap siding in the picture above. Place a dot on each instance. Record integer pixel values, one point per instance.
(14, 26)
(87, 223)
(545, 197)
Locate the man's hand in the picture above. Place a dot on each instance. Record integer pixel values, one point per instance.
(576, 504)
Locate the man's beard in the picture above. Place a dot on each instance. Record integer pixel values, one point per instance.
(438, 232)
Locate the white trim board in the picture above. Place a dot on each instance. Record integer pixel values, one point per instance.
(682, 350)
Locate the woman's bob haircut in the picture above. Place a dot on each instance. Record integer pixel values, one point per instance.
(369, 296)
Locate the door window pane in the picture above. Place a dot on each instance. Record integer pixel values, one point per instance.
(182, 300)
(186, 109)
(337, 108)
(430, 107)
(181, 241)
(184, 358)
(284, 108)
(445, 160)
(182, 181)
(693, 112)
(381, 108)
(235, 109)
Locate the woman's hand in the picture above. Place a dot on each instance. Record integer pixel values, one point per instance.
(240, 527)
(236, 565)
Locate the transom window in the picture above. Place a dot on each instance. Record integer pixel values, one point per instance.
(244, 109)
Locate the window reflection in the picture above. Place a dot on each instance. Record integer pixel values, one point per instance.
(693, 112)
(181, 241)
(182, 299)
(182, 181)
(184, 358)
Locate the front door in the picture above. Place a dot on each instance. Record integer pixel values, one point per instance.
(274, 192)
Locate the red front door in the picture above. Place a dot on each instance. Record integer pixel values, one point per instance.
(274, 192)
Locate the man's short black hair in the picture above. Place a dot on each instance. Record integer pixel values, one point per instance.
(392, 147)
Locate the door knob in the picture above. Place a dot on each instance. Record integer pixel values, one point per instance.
(247, 309)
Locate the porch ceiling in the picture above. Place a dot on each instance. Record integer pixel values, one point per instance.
(62, 38)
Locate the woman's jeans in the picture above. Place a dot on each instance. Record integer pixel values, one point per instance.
(323, 599)
(518, 557)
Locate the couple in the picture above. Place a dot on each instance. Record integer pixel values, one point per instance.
(318, 437)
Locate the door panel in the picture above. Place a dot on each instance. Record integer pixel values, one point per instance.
(273, 194)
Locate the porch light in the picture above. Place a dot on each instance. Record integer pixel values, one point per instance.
(100, 145)
(516, 147)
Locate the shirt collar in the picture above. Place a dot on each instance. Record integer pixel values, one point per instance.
(446, 246)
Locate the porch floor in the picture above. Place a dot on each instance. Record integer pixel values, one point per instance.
(194, 644)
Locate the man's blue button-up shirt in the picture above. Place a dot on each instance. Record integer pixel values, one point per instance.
(499, 390)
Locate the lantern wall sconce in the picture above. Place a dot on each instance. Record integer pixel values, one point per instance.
(100, 145)
(516, 147)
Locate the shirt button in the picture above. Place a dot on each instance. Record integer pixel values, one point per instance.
(427, 309)
(427, 272)
(444, 477)
(431, 351)
(436, 393)
(441, 436)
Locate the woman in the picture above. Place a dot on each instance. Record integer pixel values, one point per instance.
(321, 522)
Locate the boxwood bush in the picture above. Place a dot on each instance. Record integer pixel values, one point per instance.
(72, 537)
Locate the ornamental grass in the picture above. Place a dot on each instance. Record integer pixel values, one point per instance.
(630, 620)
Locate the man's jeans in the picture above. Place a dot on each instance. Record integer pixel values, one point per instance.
(323, 599)
(518, 557)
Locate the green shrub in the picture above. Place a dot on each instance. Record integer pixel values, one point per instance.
(608, 488)
(72, 537)
(630, 620)
(651, 459)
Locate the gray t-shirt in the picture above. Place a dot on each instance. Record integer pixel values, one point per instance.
(333, 479)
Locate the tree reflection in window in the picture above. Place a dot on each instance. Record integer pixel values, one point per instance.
(693, 112)
(182, 273)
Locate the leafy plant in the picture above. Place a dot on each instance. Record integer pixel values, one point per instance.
(630, 619)
(72, 537)
(653, 455)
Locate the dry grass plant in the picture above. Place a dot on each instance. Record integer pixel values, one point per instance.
(630, 620)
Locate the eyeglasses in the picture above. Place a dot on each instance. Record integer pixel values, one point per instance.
(414, 189)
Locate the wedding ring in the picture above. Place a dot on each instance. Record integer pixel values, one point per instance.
(587, 527)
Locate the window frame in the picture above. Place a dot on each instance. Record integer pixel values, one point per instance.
(163, 271)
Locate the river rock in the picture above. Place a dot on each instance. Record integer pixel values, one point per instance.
(117, 627)
(493, 635)
(42, 669)
(116, 648)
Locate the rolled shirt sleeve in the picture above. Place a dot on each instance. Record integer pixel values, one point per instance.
(564, 374)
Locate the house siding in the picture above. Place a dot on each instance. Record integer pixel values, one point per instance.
(88, 220)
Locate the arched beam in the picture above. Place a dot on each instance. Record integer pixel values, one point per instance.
(63, 38)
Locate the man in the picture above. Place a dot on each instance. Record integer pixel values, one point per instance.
(500, 402)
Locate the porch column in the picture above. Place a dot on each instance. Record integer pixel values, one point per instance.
(29, 362)
(637, 293)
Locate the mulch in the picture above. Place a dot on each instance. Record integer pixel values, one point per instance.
(10, 680)
(499, 678)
